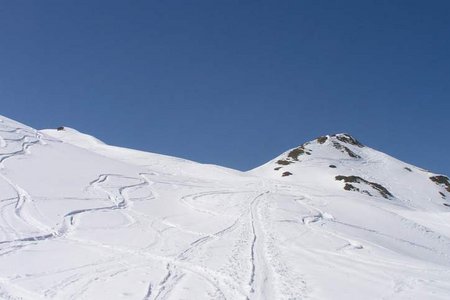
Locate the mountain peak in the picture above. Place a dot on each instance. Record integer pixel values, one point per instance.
(340, 160)
(342, 137)
(343, 142)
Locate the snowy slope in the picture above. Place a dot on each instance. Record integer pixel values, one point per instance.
(155, 162)
(84, 220)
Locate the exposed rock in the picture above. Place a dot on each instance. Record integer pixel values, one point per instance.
(349, 187)
(286, 174)
(322, 139)
(346, 138)
(294, 154)
(277, 168)
(408, 169)
(344, 149)
(441, 180)
(284, 162)
(332, 166)
(356, 179)
(61, 128)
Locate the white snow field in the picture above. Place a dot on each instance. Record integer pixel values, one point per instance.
(336, 220)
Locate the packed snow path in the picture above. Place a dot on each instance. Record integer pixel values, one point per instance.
(84, 220)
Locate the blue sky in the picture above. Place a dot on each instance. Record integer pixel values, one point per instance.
(233, 83)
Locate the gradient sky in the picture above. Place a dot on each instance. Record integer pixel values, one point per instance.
(233, 83)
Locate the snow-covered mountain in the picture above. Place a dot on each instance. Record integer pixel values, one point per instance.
(331, 219)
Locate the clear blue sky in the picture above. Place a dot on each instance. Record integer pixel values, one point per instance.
(233, 83)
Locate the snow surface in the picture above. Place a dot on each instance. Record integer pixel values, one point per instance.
(81, 219)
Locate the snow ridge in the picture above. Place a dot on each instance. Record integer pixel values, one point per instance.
(330, 219)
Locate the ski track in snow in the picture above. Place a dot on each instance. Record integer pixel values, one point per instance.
(258, 260)
(24, 202)
(261, 284)
(226, 236)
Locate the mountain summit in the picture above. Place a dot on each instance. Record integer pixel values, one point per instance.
(359, 168)
(330, 219)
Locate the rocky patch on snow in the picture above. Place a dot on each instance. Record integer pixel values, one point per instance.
(348, 139)
(442, 181)
(362, 182)
(322, 139)
(344, 149)
(293, 155)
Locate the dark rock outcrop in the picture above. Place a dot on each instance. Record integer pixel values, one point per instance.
(356, 179)
(441, 180)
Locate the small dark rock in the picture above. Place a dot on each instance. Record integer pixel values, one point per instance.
(277, 168)
(351, 153)
(345, 150)
(332, 166)
(346, 138)
(61, 128)
(284, 162)
(408, 169)
(286, 174)
(349, 187)
(322, 139)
